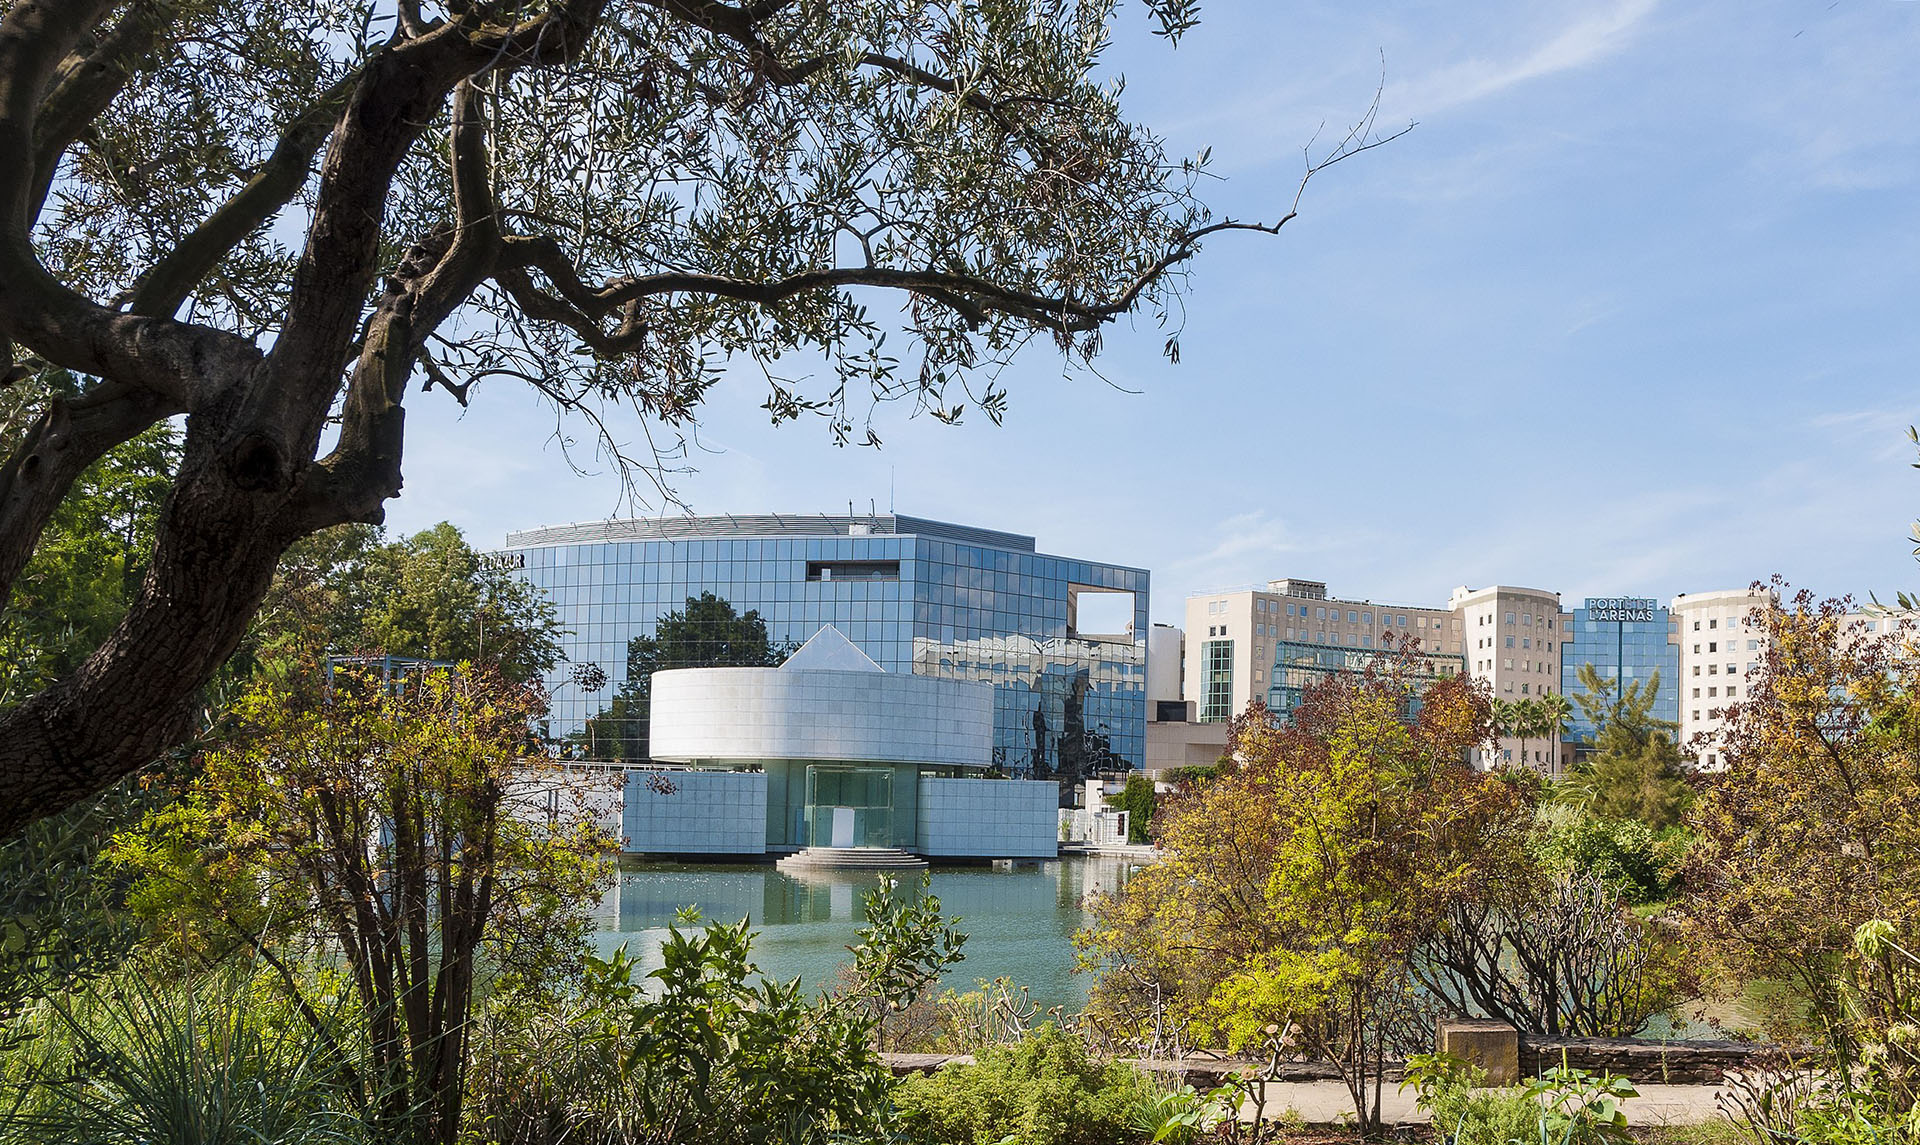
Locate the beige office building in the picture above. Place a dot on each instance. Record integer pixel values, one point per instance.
(1723, 647)
(1514, 638)
(1722, 641)
(1231, 636)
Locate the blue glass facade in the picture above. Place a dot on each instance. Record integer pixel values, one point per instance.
(1627, 640)
(915, 595)
(1298, 668)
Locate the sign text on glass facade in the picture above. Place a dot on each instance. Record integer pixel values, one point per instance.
(1620, 608)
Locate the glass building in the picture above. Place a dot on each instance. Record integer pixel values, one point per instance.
(1298, 667)
(1062, 640)
(1627, 639)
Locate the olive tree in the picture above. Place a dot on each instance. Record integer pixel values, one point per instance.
(273, 219)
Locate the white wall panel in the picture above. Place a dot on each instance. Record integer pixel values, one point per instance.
(773, 713)
(708, 812)
(989, 818)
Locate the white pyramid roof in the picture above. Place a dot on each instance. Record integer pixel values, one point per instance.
(830, 650)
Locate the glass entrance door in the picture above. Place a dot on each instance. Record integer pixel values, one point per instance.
(849, 806)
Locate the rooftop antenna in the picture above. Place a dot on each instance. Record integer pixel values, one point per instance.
(872, 511)
(890, 508)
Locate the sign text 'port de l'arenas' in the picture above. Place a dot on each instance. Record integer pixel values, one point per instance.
(1621, 608)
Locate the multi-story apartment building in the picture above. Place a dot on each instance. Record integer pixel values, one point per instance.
(1723, 647)
(1514, 641)
(1723, 642)
(1234, 636)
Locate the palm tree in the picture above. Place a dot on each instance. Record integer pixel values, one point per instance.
(1555, 711)
(1505, 717)
(1526, 725)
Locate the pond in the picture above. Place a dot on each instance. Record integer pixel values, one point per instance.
(1019, 923)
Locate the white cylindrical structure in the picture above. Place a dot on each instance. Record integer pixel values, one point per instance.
(765, 714)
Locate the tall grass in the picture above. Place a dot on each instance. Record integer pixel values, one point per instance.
(204, 1063)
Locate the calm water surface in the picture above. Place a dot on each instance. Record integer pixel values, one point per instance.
(1019, 923)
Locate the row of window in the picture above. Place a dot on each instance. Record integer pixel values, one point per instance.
(1322, 612)
(1527, 620)
(1507, 665)
(1714, 646)
(1733, 690)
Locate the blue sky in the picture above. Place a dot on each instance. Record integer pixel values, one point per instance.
(1631, 311)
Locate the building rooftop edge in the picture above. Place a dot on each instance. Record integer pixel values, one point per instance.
(730, 525)
(1263, 587)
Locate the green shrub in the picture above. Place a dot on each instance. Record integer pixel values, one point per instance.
(1563, 1106)
(1137, 800)
(1624, 852)
(1485, 1117)
(1041, 1091)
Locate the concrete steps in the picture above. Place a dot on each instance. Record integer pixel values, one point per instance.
(852, 859)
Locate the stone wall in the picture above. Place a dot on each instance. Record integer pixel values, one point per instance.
(1648, 1062)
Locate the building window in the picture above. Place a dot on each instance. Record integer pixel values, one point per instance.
(1713, 669)
(1712, 692)
(1509, 618)
(1216, 658)
(1526, 642)
(1526, 620)
(1713, 624)
(1712, 646)
(1320, 614)
(853, 570)
(1696, 669)
(1696, 626)
(1509, 641)
(1353, 617)
(1366, 618)
(1732, 691)
(1696, 693)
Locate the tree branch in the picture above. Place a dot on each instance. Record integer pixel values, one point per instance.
(82, 91)
(68, 436)
(167, 283)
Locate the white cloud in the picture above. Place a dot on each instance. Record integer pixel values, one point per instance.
(1591, 38)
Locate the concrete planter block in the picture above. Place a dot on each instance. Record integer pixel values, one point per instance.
(1493, 1046)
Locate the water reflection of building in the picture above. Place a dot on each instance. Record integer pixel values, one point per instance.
(1063, 641)
(1019, 923)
